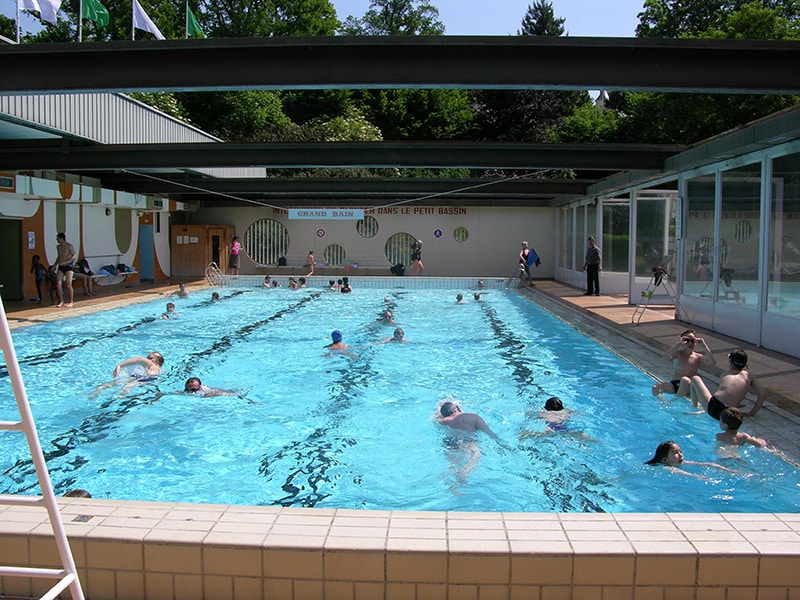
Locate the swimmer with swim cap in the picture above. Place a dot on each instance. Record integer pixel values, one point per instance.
(337, 345)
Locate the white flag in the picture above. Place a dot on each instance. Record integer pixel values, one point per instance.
(142, 21)
(46, 8)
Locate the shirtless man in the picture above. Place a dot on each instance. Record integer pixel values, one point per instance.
(64, 273)
(734, 384)
(453, 417)
(687, 357)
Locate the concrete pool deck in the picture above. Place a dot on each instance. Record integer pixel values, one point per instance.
(171, 551)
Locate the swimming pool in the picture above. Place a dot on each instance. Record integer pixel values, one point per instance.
(357, 432)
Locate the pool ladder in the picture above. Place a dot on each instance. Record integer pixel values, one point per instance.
(658, 279)
(67, 576)
(214, 276)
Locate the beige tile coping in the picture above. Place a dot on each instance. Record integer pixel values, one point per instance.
(164, 551)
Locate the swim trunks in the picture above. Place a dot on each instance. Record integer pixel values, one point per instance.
(715, 407)
(558, 426)
(66, 268)
(676, 384)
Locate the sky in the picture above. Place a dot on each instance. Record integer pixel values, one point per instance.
(584, 18)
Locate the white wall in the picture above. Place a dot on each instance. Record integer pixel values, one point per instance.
(491, 248)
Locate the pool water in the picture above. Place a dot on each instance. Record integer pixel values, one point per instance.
(308, 428)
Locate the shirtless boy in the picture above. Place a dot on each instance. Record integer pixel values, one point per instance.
(688, 354)
(729, 421)
(64, 273)
(734, 384)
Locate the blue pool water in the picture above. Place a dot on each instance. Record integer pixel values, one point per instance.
(310, 429)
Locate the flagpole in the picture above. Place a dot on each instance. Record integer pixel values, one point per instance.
(187, 19)
(17, 21)
(80, 21)
(133, 20)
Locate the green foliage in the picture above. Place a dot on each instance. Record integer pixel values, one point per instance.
(396, 17)
(526, 115)
(166, 102)
(693, 18)
(302, 106)
(411, 114)
(237, 18)
(688, 118)
(352, 127)
(8, 27)
(755, 22)
(305, 17)
(237, 115)
(540, 19)
(587, 124)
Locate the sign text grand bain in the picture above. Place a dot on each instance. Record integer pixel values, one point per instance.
(356, 214)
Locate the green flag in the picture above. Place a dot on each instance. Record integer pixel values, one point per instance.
(94, 11)
(192, 26)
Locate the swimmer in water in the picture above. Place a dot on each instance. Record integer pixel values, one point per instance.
(398, 336)
(670, 455)
(337, 346)
(556, 419)
(132, 371)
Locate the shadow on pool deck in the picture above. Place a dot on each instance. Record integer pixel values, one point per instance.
(606, 318)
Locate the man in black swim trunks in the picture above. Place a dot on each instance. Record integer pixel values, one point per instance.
(734, 384)
(64, 273)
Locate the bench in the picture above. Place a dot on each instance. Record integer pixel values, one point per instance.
(106, 278)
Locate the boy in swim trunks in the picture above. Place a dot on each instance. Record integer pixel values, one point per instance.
(688, 354)
(734, 384)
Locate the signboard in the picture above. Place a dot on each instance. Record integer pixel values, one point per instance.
(327, 214)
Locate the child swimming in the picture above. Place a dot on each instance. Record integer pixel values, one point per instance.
(670, 455)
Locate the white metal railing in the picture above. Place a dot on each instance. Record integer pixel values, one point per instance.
(67, 576)
(214, 276)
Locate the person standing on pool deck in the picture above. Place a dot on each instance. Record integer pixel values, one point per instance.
(733, 387)
(686, 359)
(64, 273)
(592, 265)
(233, 259)
(310, 263)
(416, 258)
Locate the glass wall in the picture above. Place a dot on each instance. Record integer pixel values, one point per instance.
(739, 236)
(655, 231)
(699, 236)
(580, 237)
(783, 295)
(616, 235)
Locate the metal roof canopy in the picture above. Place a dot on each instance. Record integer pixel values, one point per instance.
(508, 62)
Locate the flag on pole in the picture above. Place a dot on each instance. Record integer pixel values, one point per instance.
(192, 26)
(94, 11)
(46, 8)
(143, 22)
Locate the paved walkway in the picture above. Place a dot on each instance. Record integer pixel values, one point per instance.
(605, 318)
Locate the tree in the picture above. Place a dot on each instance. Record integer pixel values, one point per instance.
(688, 118)
(238, 18)
(396, 17)
(236, 115)
(305, 17)
(693, 18)
(526, 115)
(413, 114)
(540, 19)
